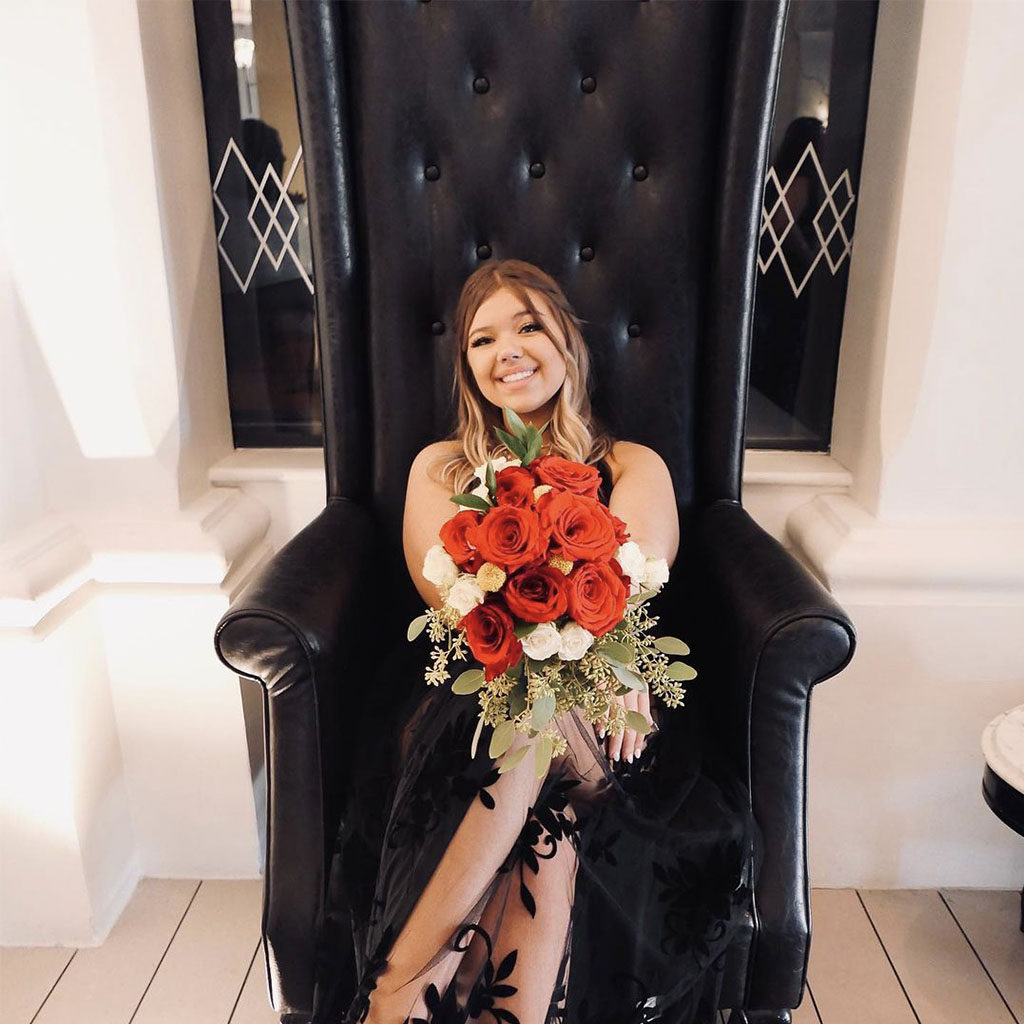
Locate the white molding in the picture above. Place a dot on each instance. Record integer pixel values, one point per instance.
(862, 559)
(278, 465)
(786, 469)
(215, 541)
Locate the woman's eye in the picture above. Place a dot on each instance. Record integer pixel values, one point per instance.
(486, 337)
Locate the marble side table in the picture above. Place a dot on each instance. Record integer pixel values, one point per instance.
(1002, 743)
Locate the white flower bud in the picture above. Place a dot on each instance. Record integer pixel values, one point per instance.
(632, 560)
(439, 567)
(656, 575)
(544, 641)
(575, 643)
(499, 463)
(465, 594)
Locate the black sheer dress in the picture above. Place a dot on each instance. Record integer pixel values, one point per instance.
(606, 893)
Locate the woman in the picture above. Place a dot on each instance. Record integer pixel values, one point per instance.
(605, 893)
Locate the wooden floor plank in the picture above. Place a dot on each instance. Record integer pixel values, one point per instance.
(103, 984)
(848, 972)
(254, 1004)
(203, 971)
(805, 1013)
(991, 920)
(27, 973)
(935, 963)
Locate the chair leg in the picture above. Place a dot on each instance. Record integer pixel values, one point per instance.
(760, 1017)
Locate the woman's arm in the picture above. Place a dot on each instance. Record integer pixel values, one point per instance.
(643, 497)
(427, 508)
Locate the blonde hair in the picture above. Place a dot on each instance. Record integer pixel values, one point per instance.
(576, 433)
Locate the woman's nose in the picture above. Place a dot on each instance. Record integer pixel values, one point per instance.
(509, 350)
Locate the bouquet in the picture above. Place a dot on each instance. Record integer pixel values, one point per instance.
(540, 581)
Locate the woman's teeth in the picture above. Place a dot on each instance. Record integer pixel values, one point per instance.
(521, 375)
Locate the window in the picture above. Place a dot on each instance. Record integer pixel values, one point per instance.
(807, 217)
(262, 223)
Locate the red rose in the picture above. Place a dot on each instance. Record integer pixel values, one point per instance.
(580, 527)
(509, 536)
(514, 486)
(621, 530)
(597, 596)
(536, 595)
(453, 537)
(567, 475)
(489, 633)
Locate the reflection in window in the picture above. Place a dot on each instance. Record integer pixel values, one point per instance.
(262, 223)
(807, 216)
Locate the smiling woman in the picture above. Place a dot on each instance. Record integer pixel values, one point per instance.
(606, 892)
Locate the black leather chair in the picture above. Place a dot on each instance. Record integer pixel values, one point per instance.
(622, 147)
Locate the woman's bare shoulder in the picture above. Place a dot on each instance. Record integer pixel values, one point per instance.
(628, 454)
(431, 459)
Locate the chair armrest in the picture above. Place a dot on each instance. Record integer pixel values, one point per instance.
(294, 629)
(766, 632)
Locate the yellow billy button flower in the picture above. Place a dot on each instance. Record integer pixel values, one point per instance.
(540, 489)
(563, 565)
(490, 576)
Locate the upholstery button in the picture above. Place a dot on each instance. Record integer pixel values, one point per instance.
(537, 169)
(634, 330)
(483, 251)
(437, 327)
(587, 253)
(640, 172)
(588, 84)
(480, 84)
(431, 172)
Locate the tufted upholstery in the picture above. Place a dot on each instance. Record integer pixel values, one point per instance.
(622, 147)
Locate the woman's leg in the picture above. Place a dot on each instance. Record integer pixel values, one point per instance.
(476, 851)
(480, 846)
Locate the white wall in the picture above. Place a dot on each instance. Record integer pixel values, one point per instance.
(114, 415)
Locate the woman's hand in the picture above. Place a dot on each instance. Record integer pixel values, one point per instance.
(629, 743)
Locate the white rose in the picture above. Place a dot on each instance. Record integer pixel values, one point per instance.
(499, 463)
(465, 594)
(481, 492)
(439, 567)
(633, 562)
(544, 641)
(656, 575)
(575, 641)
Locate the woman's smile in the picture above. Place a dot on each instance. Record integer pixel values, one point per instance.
(517, 377)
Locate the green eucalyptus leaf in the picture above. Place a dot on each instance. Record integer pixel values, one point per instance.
(637, 722)
(671, 645)
(502, 737)
(471, 501)
(616, 653)
(513, 444)
(522, 629)
(543, 709)
(517, 426)
(542, 756)
(643, 595)
(417, 626)
(476, 735)
(532, 450)
(469, 682)
(680, 671)
(512, 760)
(492, 484)
(629, 678)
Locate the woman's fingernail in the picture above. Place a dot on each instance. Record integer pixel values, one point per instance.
(629, 757)
(603, 731)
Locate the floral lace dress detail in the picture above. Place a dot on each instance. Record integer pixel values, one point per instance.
(601, 894)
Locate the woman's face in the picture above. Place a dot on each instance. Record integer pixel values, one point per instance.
(513, 358)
